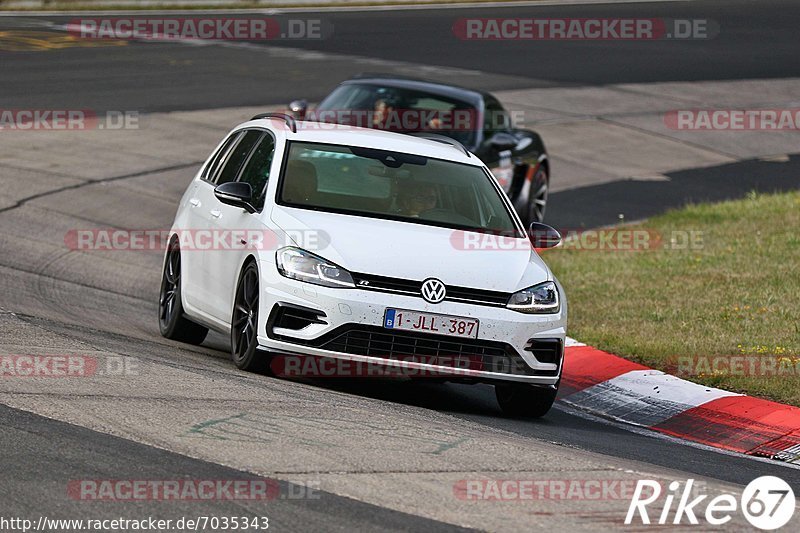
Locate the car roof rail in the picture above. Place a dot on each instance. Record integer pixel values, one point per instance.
(444, 139)
(288, 119)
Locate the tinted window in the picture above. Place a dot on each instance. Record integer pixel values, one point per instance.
(495, 118)
(399, 109)
(256, 171)
(382, 184)
(237, 156)
(213, 166)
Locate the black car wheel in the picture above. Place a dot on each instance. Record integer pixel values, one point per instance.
(537, 195)
(525, 401)
(244, 323)
(171, 322)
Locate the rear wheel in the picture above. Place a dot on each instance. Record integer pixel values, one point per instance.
(525, 401)
(537, 197)
(171, 322)
(244, 323)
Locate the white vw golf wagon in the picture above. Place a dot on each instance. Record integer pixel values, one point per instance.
(358, 245)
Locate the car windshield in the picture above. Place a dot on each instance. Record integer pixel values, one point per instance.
(392, 185)
(400, 110)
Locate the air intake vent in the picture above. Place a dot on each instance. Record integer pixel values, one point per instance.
(546, 350)
(288, 316)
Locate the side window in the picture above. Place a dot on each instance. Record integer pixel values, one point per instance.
(495, 118)
(237, 156)
(213, 165)
(256, 171)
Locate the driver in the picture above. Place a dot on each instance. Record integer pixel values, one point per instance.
(416, 198)
(382, 112)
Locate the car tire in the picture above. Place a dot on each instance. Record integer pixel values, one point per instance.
(521, 400)
(171, 322)
(537, 195)
(244, 322)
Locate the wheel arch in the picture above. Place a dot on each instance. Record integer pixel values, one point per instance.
(545, 164)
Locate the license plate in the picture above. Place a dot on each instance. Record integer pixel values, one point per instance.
(454, 326)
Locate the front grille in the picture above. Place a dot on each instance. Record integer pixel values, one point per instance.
(412, 288)
(382, 283)
(499, 299)
(450, 352)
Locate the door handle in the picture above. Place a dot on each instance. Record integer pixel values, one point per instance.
(215, 213)
(195, 202)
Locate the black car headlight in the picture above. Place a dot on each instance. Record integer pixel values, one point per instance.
(301, 265)
(539, 299)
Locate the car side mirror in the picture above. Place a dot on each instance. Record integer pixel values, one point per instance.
(502, 141)
(298, 109)
(237, 194)
(543, 236)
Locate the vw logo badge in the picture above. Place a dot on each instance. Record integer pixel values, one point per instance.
(433, 290)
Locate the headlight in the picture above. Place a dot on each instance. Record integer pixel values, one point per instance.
(539, 299)
(304, 266)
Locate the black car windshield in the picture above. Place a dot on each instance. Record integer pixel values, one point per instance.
(392, 185)
(399, 109)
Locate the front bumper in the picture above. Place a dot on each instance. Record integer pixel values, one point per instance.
(360, 313)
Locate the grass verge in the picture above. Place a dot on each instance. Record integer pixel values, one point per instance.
(720, 306)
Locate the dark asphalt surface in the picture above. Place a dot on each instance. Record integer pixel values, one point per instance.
(477, 403)
(42, 457)
(601, 205)
(758, 39)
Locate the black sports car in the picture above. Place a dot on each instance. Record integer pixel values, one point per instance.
(476, 119)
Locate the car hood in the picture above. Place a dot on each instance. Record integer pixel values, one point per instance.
(412, 251)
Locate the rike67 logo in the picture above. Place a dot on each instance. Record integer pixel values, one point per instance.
(767, 503)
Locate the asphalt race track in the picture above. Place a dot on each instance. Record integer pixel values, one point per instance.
(376, 456)
(166, 77)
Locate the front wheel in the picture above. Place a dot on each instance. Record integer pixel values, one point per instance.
(525, 401)
(244, 322)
